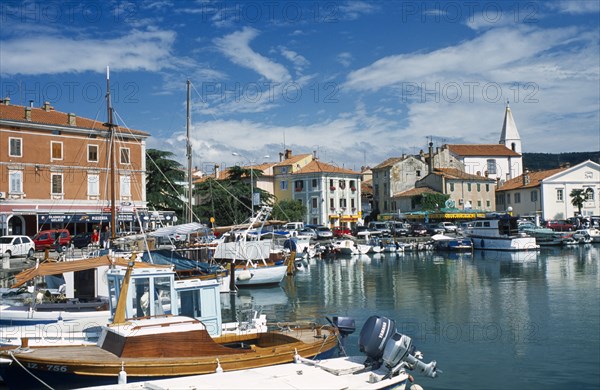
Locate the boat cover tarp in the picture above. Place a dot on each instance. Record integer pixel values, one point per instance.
(168, 257)
(54, 268)
(182, 229)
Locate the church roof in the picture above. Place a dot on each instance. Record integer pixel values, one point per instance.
(492, 150)
(509, 128)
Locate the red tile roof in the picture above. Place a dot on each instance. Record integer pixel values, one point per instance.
(292, 160)
(482, 150)
(534, 179)
(318, 166)
(388, 163)
(52, 117)
(457, 174)
(416, 191)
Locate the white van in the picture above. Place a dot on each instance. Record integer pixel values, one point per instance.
(294, 226)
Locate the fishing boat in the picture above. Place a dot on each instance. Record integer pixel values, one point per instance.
(500, 232)
(157, 332)
(387, 362)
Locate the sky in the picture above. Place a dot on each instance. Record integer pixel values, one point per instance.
(355, 82)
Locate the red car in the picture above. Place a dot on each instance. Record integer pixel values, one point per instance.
(339, 231)
(560, 226)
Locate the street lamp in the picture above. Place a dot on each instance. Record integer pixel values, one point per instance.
(251, 178)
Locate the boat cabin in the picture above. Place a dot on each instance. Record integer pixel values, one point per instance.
(154, 292)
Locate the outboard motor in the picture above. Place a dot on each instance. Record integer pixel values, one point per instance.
(380, 341)
(373, 337)
(346, 326)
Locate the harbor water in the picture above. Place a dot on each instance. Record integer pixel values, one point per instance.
(492, 320)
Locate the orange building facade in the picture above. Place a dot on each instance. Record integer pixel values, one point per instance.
(55, 171)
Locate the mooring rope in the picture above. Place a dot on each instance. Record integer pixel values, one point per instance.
(29, 372)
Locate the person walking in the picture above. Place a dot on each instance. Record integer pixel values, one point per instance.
(105, 238)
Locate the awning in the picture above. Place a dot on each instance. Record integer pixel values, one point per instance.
(183, 229)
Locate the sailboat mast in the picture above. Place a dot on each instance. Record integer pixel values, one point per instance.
(189, 157)
(111, 131)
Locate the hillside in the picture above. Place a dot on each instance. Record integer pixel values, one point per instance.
(543, 161)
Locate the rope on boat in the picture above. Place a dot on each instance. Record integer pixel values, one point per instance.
(29, 372)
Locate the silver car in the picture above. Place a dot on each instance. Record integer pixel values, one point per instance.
(323, 232)
(13, 246)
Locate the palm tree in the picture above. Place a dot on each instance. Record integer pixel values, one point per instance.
(162, 177)
(577, 198)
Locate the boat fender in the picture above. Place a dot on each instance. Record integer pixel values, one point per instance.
(244, 275)
(122, 375)
(219, 369)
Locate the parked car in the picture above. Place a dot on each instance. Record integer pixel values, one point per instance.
(323, 232)
(357, 229)
(399, 228)
(418, 229)
(16, 246)
(434, 228)
(293, 226)
(81, 240)
(448, 227)
(560, 225)
(340, 231)
(382, 227)
(308, 232)
(46, 238)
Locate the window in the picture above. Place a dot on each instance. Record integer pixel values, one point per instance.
(352, 203)
(469, 187)
(331, 184)
(559, 195)
(488, 203)
(487, 187)
(15, 147)
(385, 205)
(534, 196)
(315, 183)
(57, 184)
(589, 195)
(56, 150)
(479, 203)
(92, 153)
(315, 203)
(125, 156)
(93, 185)
(283, 185)
(500, 199)
(125, 186)
(491, 166)
(353, 185)
(478, 187)
(298, 185)
(518, 197)
(331, 203)
(343, 203)
(507, 198)
(342, 184)
(15, 186)
(451, 187)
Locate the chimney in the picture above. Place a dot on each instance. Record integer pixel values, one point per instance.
(430, 165)
(28, 114)
(280, 157)
(47, 107)
(217, 171)
(72, 119)
(526, 177)
(31, 103)
(288, 154)
(315, 155)
(6, 101)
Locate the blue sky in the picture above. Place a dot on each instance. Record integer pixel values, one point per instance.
(357, 82)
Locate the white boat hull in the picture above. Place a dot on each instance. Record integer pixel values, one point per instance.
(505, 243)
(260, 275)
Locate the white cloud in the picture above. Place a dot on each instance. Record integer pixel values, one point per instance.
(575, 7)
(352, 10)
(345, 58)
(300, 63)
(236, 47)
(139, 50)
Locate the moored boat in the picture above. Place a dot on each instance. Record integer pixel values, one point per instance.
(500, 233)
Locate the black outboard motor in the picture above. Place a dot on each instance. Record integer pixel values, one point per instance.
(346, 326)
(373, 337)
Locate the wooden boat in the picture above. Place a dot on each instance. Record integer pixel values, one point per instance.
(388, 358)
(151, 337)
(500, 233)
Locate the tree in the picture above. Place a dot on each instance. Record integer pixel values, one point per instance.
(429, 202)
(289, 210)
(162, 177)
(577, 198)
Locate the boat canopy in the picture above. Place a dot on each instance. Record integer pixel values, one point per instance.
(54, 268)
(184, 229)
(168, 257)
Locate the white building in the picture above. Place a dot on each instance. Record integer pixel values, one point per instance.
(547, 193)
